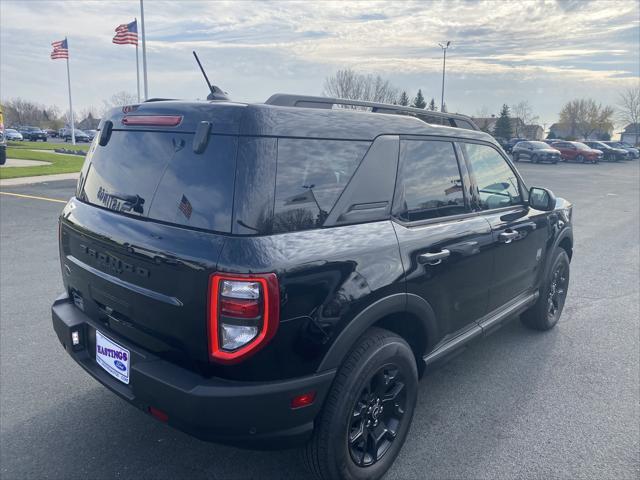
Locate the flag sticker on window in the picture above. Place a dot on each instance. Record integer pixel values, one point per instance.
(185, 207)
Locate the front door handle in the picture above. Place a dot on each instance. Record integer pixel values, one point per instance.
(508, 237)
(434, 258)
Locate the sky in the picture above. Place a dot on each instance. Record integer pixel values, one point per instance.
(545, 52)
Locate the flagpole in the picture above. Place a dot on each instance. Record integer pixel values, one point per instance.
(73, 132)
(144, 52)
(137, 66)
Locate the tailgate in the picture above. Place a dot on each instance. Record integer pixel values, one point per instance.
(144, 281)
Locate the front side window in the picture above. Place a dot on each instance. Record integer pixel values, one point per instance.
(496, 181)
(429, 183)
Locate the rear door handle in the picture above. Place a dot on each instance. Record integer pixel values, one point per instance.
(434, 258)
(508, 237)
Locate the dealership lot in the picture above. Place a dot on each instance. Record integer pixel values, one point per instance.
(561, 404)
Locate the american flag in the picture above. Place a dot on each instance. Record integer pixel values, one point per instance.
(127, 34)
(185, 207)
(60, 50)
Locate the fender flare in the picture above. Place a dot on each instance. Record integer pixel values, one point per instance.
(567, 232)
(392, 304)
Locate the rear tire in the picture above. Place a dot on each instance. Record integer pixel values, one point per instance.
(553, 293)
(375, 390)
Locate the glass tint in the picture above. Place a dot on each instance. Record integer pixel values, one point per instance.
(311, 175)
(429, 182)
(496, 181)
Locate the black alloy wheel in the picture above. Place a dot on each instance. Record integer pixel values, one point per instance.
(557, 292)
(377, 416)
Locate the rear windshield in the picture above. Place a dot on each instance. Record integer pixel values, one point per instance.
(157, 175)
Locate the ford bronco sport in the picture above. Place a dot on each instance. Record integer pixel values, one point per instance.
(283, 273)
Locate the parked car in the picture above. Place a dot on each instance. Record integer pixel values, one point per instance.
(610, 154)
(632, 151)
(13, 135)
(91, 133)
(79, 135)
(535, 152)
(511, 143)
(551, 141)
(577, 152)
(229, 270)
(51, 133)
(33, 134)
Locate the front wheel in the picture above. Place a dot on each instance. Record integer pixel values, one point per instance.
(368, 411)
(547, 310)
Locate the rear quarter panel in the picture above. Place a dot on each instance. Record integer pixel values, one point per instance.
(326, 277)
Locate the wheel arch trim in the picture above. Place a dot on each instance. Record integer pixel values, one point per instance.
(398, 303)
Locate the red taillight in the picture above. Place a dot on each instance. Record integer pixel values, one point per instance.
(244, 313)
(152, 120)
(240, 308)
(303, 400)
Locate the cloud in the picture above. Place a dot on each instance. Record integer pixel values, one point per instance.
(253, 49)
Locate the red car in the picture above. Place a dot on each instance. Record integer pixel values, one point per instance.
(577, 152)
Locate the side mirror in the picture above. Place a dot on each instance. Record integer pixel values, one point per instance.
(542, 199)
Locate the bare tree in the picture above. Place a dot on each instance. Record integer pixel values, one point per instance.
(24, 112)
(523, 115)
(351, 85)
(629, 112)
(586, 116)
(119, 99)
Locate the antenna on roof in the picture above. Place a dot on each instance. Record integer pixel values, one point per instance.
(216, 93)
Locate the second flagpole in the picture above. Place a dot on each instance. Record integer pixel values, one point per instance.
(137, 66)
(73, 131)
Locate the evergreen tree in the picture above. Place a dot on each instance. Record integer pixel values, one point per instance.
(419, 102)
(503, 124)
(432, 105)
(404, 99)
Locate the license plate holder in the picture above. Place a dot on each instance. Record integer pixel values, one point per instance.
(113, 358)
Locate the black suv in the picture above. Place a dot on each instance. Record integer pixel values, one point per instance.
(283, 273)
(33, 134)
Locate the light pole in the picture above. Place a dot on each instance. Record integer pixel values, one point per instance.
(444, 64)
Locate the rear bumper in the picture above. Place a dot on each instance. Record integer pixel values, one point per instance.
(255, 415)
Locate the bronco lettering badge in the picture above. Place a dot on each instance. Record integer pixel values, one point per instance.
(113, 263)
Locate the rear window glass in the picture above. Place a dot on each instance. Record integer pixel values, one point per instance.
(311, 175)
(157, 175)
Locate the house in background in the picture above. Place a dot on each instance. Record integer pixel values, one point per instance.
(89, 123)
(564, 131)
(631, 134)
(519, 129)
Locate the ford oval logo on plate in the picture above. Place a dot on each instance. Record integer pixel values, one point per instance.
(119, 365)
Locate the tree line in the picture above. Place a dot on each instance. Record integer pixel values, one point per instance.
(21, 112)
(351, 85)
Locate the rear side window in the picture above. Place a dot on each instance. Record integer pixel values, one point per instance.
(429, 183)
(311, 175)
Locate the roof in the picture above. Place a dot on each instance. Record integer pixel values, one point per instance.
(271, 120)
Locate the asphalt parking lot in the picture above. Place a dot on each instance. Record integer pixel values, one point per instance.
(561, 404)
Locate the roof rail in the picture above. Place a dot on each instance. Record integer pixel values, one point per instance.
(428, 116)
